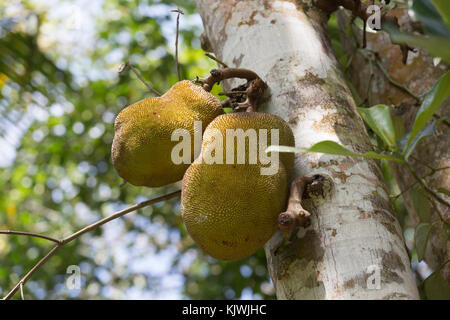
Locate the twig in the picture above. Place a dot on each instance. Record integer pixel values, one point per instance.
(369, 83)
(443, 119)
(422, 163)
(227, 103)
(426, 187)
(77, 234)
(231, 93)
(404, 191)
(32, 271)
(393, 82)
(21, 291)
(215, 59)
(30, 234)
(119, 214)
(350, 59)
(439, 213)
(180, 12)
(128, 64)
(385, 72)
(433, 171)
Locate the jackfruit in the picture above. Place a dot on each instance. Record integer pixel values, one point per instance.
(142, 146)
(231, 209)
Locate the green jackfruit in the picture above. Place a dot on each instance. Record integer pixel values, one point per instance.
(231, 210)
(142, 146)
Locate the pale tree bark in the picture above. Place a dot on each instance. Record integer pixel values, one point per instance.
(418, 75)
(353, 232)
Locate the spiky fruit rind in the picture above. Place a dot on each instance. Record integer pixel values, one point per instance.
(142, 146)
(256, 121)
(232, 211)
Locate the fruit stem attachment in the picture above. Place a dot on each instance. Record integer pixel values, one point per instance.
(254, 91)
(295, 216)
(218, 75)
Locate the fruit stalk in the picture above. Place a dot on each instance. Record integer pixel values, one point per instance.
(255, 87)
(295, 216)
(218, 75)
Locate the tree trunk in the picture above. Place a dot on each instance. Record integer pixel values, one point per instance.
(354, 240)
(418, 75)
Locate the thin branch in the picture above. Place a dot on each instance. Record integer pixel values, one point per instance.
(366, 100)
(128, 64)
(444, 120)
(422, 163)
(215, 59)
(231, 93)
(180, 12)
(119, 214)
(404, 191)
(77, 234)
(439, 213)
(21, 291)
(350, 59)
(385, 72)
(32, 271)
(426, 187)
(433, 171)
(227, 103)
(393, 82)
(30, 234)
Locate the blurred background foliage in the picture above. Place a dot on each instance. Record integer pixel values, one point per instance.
(59, 94)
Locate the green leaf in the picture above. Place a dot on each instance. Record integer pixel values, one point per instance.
(430, 18)
(446, 228)
(425, 132)
(421, 203)
(443, 6)
(437, 46)
(436, 288)
(431, 103)
(444, 191)
(379, 120)
(421, 238)
(399, 126)
(331, 147)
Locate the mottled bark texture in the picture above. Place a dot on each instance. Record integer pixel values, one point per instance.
(353, 236)
(418, 75)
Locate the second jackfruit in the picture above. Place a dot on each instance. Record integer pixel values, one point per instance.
(231, 210)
